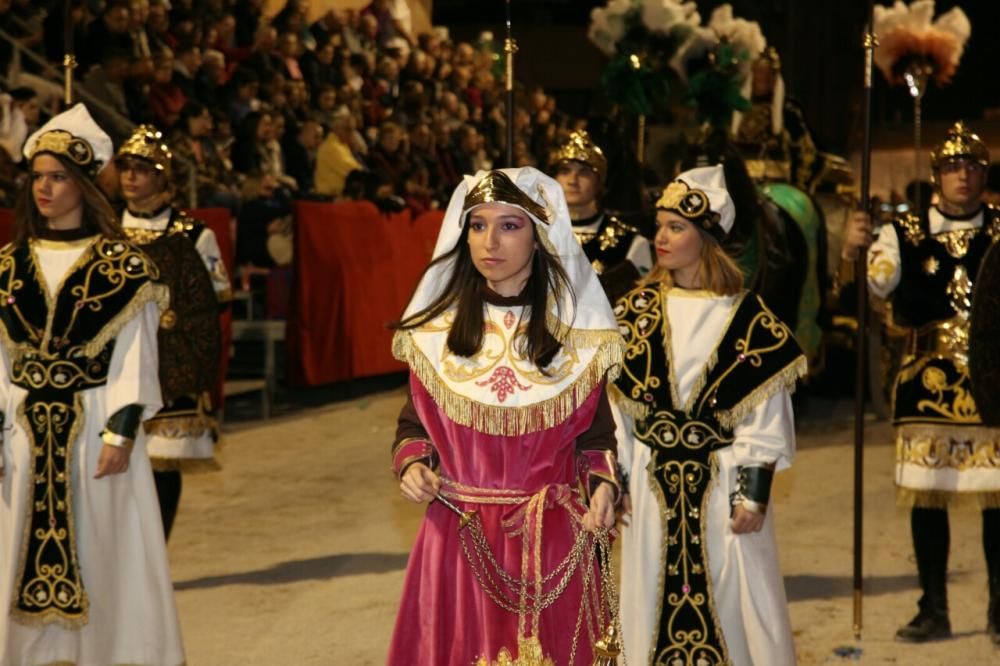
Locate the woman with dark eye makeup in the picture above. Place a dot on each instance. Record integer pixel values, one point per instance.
(507, 434)
(83, 556)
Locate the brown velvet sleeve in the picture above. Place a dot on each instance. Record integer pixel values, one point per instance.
(408, 426)
(601, 433)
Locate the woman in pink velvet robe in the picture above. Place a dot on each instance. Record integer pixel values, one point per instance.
(507, 418)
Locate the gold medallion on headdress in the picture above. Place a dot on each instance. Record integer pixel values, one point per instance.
(579, 147)
(960, 142)
(147, 143)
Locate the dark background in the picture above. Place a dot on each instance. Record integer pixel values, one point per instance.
(820, 46)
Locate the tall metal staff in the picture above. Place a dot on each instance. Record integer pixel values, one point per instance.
(861, 282)
(69, 59)
(510, 48)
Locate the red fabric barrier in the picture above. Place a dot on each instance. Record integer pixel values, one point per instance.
(217, 219)
(355, 269)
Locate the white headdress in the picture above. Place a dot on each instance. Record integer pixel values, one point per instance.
(700, 195)
(72, 134)
(585, 325)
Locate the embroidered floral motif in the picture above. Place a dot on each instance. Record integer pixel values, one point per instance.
(503, 382)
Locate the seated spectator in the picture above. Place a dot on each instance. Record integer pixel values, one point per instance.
(187, 62)
(26, 99)
(266, 211)
(166, 99)
(335, 159)
(289, 49)
(249, 15)
(193, 148)
(299, 150)
(211, 78)
(389, 158)
(326, 106)
(262, 58)
(243, 90)
(108, 82)
(297, 101)
(107, 33)
(318, 68)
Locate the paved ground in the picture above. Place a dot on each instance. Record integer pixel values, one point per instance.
(294, 554)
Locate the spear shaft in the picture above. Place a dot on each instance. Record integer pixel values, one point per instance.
(861, 282)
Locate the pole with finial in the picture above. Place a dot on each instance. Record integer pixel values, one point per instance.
(510, 48)
(861, 283)
(69, 59)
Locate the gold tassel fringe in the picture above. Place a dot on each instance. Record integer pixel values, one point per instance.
(151, 291)
(784, 379)
(943, 499)
(633, 408)
(513, 421)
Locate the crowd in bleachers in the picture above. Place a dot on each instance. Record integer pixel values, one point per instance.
(265, 109)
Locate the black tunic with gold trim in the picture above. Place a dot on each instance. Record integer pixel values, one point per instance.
(608, 243)
(941, 445)
(190, 344)
(58, 349)
(754, 358)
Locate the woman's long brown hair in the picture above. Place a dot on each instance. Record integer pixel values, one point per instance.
(98, 215)
(464, 289)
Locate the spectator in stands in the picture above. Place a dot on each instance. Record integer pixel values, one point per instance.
(211, 78)
(166, 99)
(290, 50)
(26, 99)
(244, 88)
(249, 15)
(194, 148)
(326, 106)
(265, 212)
(299, 150)
(297, 101)
(389, 158)
(110, 32)
(142, 51)
(158, 26)
(335, 159)
(318, 68)
(107, 82)
(326, 27)
(187, 62)
(294, 18)
(262, 58)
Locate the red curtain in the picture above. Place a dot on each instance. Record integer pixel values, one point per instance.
(217, 219)
(355, 269)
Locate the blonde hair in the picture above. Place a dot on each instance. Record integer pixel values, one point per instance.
(717, 271)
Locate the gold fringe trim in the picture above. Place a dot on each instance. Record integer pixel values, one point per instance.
(943, 499)
(513, 421)
(784, 379)
(184, 464)
(633, 408)
(149, 292)
(180, 426)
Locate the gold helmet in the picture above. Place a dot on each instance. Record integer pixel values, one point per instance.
(147, 143)
(960, 142)
(580, 148)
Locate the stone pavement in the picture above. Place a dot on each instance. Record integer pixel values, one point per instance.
(293, 555)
